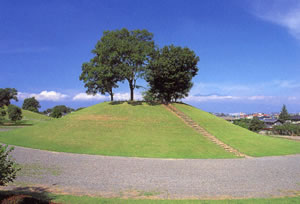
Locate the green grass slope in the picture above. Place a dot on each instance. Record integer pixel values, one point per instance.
(30, 118)
(242, 139)
(120, 130)
(33, 118)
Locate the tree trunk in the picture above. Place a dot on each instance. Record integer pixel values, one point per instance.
(131, 89)
(111, 95)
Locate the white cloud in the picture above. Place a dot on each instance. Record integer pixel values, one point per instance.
(284, 13)
(287, 84)
(98, 97)
(210, 98)
(44, 96)
(254, 98)
(86, 97)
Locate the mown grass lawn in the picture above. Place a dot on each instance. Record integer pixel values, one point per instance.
(85, 199)
(70, 199)
(122, 129)
(242, 139)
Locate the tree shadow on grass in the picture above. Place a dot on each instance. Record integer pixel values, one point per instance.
(24, 195)
(135, 103)
(116, 102)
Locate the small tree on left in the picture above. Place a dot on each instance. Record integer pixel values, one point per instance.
(8, 168)
(14, 113)
(6, 95)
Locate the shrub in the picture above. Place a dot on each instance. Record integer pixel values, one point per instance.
(245, 123)
(287, 129)
(2, 114)
(14, 113)
(8, 169)
(256, 124)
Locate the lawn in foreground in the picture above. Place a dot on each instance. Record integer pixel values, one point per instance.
(70, 199)
(121, 129)
(245, 141)
(86, 199)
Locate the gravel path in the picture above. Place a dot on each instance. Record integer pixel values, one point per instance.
(161, 178)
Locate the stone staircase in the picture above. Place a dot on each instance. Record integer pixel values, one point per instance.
(188, 121)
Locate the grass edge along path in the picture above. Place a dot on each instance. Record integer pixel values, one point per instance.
(243, 140)
(71, 199)
(90, 200)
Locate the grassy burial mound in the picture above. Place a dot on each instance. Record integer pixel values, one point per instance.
(29, 118)
(240, 138)
(120, 129)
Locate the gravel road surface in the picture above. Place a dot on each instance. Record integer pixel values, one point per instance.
(161, 178)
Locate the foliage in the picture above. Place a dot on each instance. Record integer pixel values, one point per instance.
(149, 97)
(284, 115)
(102, 74)
(60, 110)
(287, 129)
(8, 169)
(47, 111)
(56, 113)
(6, 95)
(245, 123)
(2, 114)
(14, 113)
(31, 104)
(125, 51)
(256, 125)
(245, 141)
(170, 73)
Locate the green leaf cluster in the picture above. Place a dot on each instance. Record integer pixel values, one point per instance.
(256, 125)
(170, 73)
(245, 123)
(31, 104)
(14, 113)
(119, 55)
(287, 129)
(6, 95)
(59, 111)
(8, 169)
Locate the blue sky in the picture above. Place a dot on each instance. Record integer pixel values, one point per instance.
(249, 50)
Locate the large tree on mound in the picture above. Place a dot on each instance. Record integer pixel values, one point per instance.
(170, 73)
(31, 104)
(102, 73)
(120, 55)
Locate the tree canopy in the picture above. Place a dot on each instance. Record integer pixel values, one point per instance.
(284, 115)
(14, 113)
(119, 55)
(6, 95)
(170, 73)
(31, 104)
(60, 110)
(256, 124)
